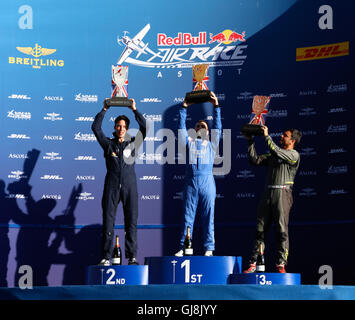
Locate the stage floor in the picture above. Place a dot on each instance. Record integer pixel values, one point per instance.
(180, 292)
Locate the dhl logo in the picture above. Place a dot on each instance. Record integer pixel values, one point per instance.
(321, 52)
(36, 62)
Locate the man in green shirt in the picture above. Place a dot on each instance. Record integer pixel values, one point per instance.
(275, 205)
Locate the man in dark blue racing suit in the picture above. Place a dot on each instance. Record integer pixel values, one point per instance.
(120, 181)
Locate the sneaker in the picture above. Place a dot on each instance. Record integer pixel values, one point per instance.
(251, 269)
(281, 268)
(104, 262)
(180, 253)
(209, 253)
(132, 261)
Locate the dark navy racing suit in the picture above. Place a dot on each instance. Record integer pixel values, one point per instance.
(276, 201)
(120, 184)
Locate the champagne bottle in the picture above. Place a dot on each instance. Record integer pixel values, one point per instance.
(188, 251)
(117, 253)
(260, 261)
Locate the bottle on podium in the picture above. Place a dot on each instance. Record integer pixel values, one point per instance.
(188, 251)
(260, 261)
(117, 253)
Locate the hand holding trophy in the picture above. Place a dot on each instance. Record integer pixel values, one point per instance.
(119, 83)
(254, 127)
(200, 92)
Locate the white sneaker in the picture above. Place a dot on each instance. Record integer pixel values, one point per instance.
(179, 253)
(209, 253)
(104, 262)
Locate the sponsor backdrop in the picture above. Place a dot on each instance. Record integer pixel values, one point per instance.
(56, 62)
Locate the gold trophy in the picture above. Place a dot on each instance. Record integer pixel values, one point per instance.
(253, 128)
(200, 92)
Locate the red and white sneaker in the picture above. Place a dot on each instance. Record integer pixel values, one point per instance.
(251, 269)
(280, 268)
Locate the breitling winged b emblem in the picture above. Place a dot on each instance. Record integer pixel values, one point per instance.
(36, 51)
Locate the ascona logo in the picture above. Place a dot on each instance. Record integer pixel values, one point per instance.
(52, 196)
(19, 115)
(245, 195)
(52, 116)
(85, 178)
(19, 96)
(18, 156)
(52, 156)
(18, 136)
(150, 197)
(51, 177)
(53, 98)
(84, 137)
(85, 158)
(52, 138)
(86, 97)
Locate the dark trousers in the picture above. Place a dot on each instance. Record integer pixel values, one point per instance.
(274, 206)
(112, 195)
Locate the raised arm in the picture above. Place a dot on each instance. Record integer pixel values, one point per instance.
(96, 127)
(182, 131)
(254, 158)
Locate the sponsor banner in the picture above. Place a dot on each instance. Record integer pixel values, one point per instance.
(322, 52)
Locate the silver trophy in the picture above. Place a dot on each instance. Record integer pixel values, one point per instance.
(119, 83)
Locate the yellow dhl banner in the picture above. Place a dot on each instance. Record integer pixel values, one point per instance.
(322, 52)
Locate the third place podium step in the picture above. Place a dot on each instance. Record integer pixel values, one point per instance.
(192, 269)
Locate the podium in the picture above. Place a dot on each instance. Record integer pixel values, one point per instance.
(117, 275)
(266, 278)
(192, 269)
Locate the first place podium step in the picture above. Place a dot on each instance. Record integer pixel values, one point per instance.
(192, 269)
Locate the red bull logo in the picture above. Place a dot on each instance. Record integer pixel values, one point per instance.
(227, 37)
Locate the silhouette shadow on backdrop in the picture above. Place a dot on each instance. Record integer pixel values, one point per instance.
(40, 236)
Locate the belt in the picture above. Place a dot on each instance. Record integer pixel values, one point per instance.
(275, 186)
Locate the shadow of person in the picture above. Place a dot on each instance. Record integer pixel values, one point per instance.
(85, 247)
(32, 241)
(8, 206)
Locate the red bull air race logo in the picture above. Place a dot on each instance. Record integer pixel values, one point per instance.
(182, 50)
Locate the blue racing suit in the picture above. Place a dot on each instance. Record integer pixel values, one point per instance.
(200, 187)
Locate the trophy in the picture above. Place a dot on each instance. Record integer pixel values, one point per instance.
(253, 128)
(200, 92)
(119, 83)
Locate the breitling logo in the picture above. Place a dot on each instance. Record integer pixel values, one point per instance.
(35, 61)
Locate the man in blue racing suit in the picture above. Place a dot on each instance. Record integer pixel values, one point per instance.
(200, 187)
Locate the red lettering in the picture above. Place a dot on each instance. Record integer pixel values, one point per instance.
(310, 53)
(161, 39)
(187, 38)
(335, 48)
(177, 40)
(325, 51)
